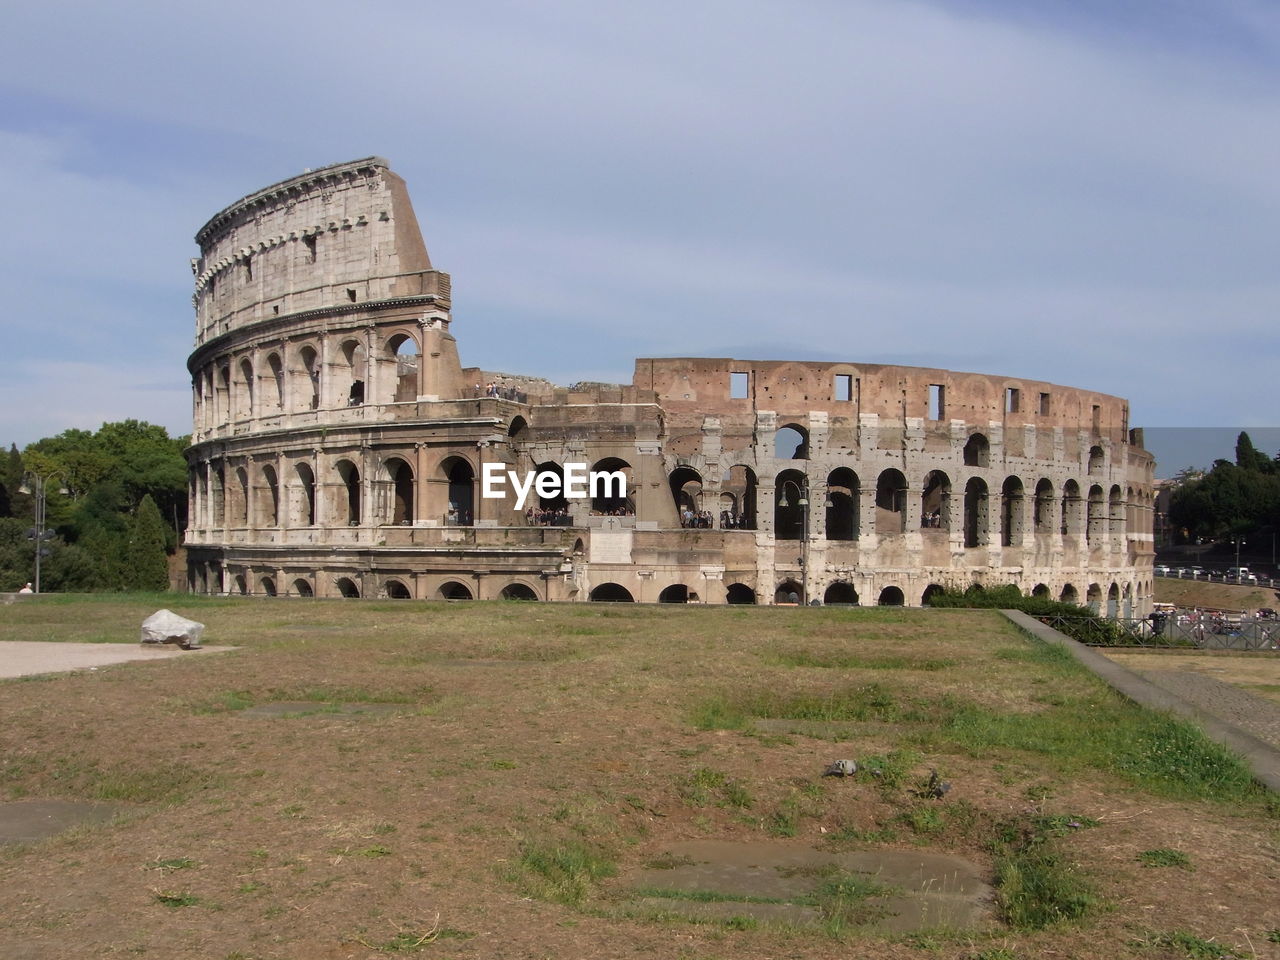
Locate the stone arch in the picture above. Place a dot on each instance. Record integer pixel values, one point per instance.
(244, 389)
(518, 591)
(842, 504)
(791, 442)
(454, 590)
(790, 505)
(612, 593)
(349, 502)
(605, 499)
(302, 587)
(1096, 517)
(309, 396)
(977, 510)
(302, 508)
(1069, 594)
(841, 592)
(273, 397)
(239, 585)
(739, 482)
(676, 593)
(891, 502)
(517, 428)
(400, 476)
(1097, 459)
(1041, 591)
(460, 477)
(401, 359)
(268, 586)
(977, 451)
(1117, 510)
(1011, 512)
(686, 493)
(218, 496)
(1044, 515)
(891, 597)
(269, 515)
(931, 591)
(558, 502)
(935, 500)
(352, 368)
(789, 591)
(740, 593)
(1072, 518)
(1113, 600)
(1093, 598)
(397, 589)
(241, 517)
(348, 588)
(1127, 602)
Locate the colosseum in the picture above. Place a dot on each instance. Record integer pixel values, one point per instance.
(340, 448)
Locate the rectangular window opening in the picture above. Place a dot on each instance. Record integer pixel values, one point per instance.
(311, 248)
(1097, 417)
(1012, 400)
(844, 388)
(739, 386)
(351, 294)
(248, 267)
(1044, 404)
(937, 401)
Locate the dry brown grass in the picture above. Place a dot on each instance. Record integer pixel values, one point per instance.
(1213, 596)
(534, 727)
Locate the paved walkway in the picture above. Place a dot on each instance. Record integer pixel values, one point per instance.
(1226, 701)
(25, 658)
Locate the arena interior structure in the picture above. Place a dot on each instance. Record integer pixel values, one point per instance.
(339, 442)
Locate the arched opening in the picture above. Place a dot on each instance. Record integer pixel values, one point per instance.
(610, 495)
(935, 501)
(977, 451)
(1097, 517)
(1093, 598)
(310, 395)
(841, 593)
(273, 399)
(242, 497)
(931, 591)
(347, 587)
(740, 593)
(401, 476)
(611, 593)
(1119, 512)
(842, 504)
(1011, 512)
(891, 597)
(791, 442)
(739, 484)
(1044, 512)
(1127, 602)
(552, 510)
(302, 588)
(891, 502)
(518, 591)
(271, 502)
(453, 590)
(268, 586)
(791, 505)
(396, 590)
(1113, 601)
(1041, 592)
(239, 585)
(789, 592)
(517, 428)
(403, 351)
(354, 362)
(976, 512)
(350, 478)
(461, 504)
(1069, 594)
(686, 493)
(304, 505)
(676, 593)
(222, 394)
(1097, 458)
(1071, 509)
(218, 498)
(244, 391)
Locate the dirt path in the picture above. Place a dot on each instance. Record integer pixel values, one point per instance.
(25, 658)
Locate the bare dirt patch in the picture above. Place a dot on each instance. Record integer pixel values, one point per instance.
(500, 812)
(1213, 596)
(1258, 673)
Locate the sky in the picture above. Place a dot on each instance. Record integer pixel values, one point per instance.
(1081, 193)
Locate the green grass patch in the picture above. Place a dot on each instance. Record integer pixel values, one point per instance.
(1164, 857)
(1037, 886)
(705, 786)
(852, 661)
(844, 900)
(703, 896)
(175, 900)
(872, 701)
(563, 872)
(1192, 946)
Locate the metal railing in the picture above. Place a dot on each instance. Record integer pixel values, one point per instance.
(1175, 630)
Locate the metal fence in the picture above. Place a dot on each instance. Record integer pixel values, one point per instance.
(1212, 576)
(1175, 630)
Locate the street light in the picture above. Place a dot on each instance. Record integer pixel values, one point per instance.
(802, 501)
(34, 484)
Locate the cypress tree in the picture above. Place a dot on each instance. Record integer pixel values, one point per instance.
(148, 567)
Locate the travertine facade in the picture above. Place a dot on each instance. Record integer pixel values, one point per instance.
(338, 444)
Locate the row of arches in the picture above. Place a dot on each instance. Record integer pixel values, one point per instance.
(305, 377)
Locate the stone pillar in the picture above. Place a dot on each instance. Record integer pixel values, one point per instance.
(420, 484)
(326, 378)
(282, 501)
(371, 397)
(322, 508)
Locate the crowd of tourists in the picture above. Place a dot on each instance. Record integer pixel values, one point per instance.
(558, 517)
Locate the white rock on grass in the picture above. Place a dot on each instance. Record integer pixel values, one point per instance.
(165, 626)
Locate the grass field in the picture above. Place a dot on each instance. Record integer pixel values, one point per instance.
(535, 755)
(1216, 596)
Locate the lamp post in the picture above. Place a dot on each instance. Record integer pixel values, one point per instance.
(35, 485)
(802, 501)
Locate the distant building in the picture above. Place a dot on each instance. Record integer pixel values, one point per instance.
(339, 444)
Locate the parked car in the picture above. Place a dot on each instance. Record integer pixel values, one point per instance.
(1162, 570)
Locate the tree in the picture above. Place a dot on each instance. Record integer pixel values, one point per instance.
(148, 567)
(1248, 458)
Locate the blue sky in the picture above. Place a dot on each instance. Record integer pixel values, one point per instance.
(1083, 193)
